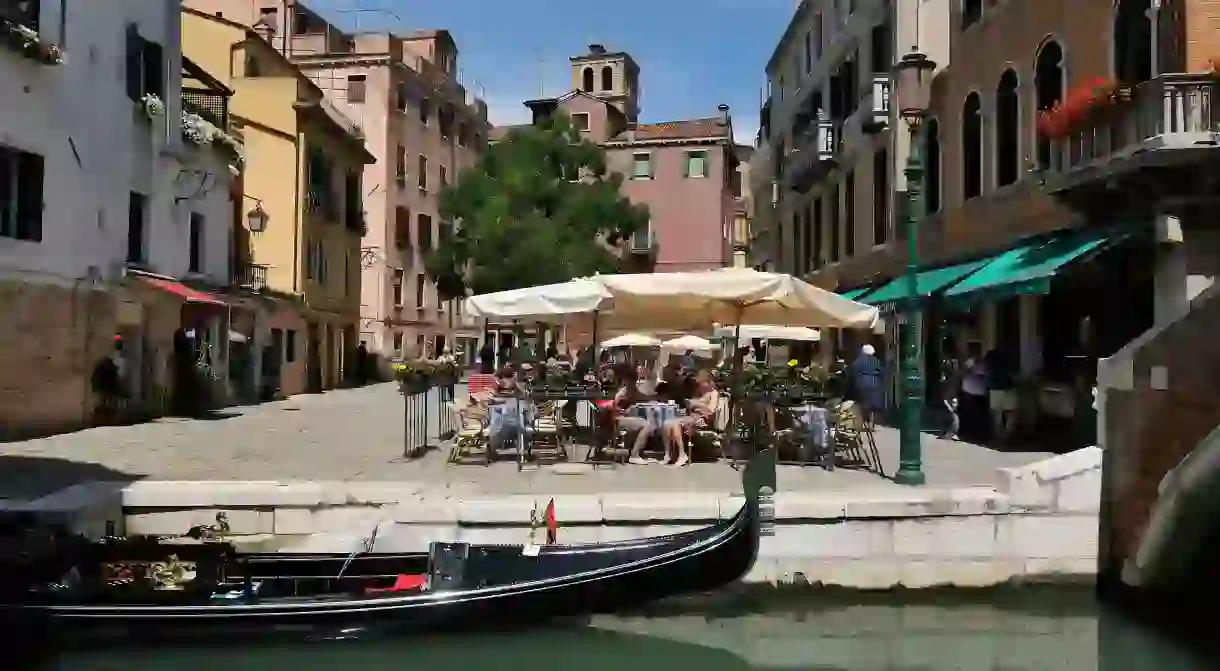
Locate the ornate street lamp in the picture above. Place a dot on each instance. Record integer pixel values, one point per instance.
(913, 79)
(256, 219)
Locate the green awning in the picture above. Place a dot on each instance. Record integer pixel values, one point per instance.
(927, 282)
(854, 294)
(1029, 268)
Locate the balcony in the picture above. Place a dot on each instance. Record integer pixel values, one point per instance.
(252, 276)
(875, 112)
(814, 153)
(1157, 146)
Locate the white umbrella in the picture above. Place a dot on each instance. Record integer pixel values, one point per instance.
(730, 296)
(547, 303)
(690, 342)
(632, 340)
(772, 332)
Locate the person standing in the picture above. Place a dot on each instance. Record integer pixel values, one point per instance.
(449, 365)
(362, 364)
(972, 405)
(867, 382)
(487, 358)
(1002, 394)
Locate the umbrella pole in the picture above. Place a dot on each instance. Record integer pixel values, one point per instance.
(734, 385)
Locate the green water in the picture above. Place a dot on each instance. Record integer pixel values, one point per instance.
(1042, 629)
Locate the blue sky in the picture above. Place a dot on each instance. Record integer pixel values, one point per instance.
(693, 54)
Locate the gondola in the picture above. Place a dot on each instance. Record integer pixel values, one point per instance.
(167, 589)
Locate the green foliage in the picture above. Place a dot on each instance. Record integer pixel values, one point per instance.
(521, 221)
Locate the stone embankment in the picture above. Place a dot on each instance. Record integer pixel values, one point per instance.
(1039, 523)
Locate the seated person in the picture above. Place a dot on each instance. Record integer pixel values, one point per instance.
(507, 384)
(701, 409)
(628, 395)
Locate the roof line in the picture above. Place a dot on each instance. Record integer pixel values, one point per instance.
(783, 40)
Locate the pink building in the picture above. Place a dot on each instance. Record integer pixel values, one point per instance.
(423, 126)
(685, 170)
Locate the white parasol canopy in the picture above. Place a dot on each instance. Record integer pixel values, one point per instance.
(548, 303)
(731, 296)
(632, 340)
(689, 342)
(771, 332)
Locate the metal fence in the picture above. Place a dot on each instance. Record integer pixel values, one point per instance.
(428, 419)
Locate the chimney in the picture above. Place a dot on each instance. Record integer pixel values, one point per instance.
(597, 49)
(724, 114)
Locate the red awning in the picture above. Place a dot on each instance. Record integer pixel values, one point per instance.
(182, 291)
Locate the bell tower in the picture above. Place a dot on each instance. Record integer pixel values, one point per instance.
(611, 76)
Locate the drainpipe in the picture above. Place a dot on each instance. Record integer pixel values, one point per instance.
(1154, 18)
(297, 221)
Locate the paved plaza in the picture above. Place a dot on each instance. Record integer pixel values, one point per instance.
(357, 434)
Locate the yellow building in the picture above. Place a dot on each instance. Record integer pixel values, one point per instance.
(302, 179)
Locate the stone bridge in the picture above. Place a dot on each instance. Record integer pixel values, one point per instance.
(1159, 424)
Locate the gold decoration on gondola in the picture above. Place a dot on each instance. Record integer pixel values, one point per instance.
(171, 574)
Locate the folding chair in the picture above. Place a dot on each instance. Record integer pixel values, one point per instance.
(472, 431)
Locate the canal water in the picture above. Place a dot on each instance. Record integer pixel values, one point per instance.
(1035, 629)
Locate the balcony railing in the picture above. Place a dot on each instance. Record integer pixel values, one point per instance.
(213, 107)
(251, 276)
(1173, 111)
(876, 107)
(814, 152)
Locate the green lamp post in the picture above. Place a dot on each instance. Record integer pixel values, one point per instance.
(913, 79)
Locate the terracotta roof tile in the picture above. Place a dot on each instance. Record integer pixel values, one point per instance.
(676, 130)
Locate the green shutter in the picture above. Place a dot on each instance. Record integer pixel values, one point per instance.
(686, 164)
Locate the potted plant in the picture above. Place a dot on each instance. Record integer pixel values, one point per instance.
(151, 105)
(415, 377)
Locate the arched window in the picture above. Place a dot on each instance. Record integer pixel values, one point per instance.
(1132, 46)
(972, 147)
(1048, 89)
(586, 83)
(607, 78)
(931, 179)
(972, 12)
(1007, 130)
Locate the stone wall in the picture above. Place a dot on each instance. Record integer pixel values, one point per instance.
(1041, 524)
(50, 337)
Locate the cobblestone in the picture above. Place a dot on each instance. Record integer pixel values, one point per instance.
(357, 434)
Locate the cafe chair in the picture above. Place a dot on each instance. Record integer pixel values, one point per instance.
(472, 432)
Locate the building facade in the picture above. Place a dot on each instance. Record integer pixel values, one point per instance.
(423, 127)
(303, 173)
(686, 171)
(834, 146)
(108, 210)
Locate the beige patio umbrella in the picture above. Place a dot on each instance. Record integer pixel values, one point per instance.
(632, 340)
(736, 296)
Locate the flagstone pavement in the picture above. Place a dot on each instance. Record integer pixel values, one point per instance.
(357, 434)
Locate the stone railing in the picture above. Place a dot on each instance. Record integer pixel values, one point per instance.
(1172, 110)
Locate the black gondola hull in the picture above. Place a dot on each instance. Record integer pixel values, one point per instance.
(503, 586)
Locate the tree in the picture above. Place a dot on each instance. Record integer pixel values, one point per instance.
(523, 218)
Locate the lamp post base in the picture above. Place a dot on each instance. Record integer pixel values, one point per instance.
(910, 475)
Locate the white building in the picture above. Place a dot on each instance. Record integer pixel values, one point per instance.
(95, 177)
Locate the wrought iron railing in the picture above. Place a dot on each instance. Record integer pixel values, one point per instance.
(1172, 110)
(252, 276)
(212, 106)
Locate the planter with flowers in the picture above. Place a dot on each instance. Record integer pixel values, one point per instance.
(27, 42)
(151, 105)
(1083, 105)
(415, 377)
(202, 133)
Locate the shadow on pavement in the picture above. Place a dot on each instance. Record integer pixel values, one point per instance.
(28, 478)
